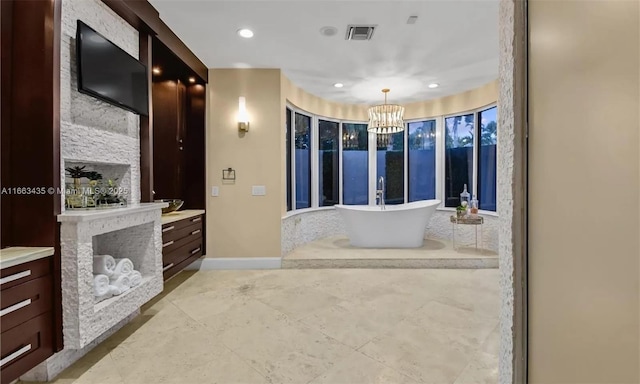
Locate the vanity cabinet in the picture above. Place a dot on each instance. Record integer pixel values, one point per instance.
(182, 243)
(26, 317)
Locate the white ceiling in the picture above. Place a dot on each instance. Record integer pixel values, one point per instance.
(453, 43)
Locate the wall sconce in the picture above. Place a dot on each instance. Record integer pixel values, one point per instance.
(243, 117)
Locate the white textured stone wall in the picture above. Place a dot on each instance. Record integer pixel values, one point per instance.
(511, 183)
(93, 132)
(304, 227)
(309, 225)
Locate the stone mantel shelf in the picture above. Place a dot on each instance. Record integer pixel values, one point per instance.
(94, 214)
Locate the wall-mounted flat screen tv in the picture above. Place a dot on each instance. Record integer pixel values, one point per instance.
(108, 73)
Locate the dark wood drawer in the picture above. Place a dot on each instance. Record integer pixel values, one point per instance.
(181, 223)
(173, 268)
(182, 244)
(172, 245)
(25, 346)
(18, 274)
(25, 301)
(182, 231)
(185, 251)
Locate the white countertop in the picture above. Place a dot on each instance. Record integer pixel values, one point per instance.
(12, 256)
(181, 215)
(93, 214)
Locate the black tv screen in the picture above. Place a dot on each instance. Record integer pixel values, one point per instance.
(108, 73)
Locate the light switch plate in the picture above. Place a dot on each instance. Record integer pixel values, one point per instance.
(258, 190)
(215, 191)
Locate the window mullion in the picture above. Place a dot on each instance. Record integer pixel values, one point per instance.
(373, 167)
(406, 162)
(340, 164)
(292, 137)
(440, 160)
(476, 141)
(314, 161)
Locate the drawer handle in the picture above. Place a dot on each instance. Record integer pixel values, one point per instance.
(167, 229)
(15, 307)
(15, 355)
(168, 243)
(195, 251)
(196, 219)
(16, 276)
(167, 267)
(195, 232)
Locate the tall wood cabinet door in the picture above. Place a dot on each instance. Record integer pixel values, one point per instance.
(181, 105)
(167, 112)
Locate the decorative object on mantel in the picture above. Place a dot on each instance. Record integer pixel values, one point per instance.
(74, 196)
(110, 196)
(94, 195)
(229, 174)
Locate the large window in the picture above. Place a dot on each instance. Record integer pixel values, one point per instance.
(422, 160)
(328, 161)
(487, 150)
(355, 164)
(390, 166)
(333, 162)
(458, 161)
(303, 160)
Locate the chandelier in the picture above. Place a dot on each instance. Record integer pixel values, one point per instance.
(386, 118)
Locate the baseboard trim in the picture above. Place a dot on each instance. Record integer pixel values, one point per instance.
(227, 263)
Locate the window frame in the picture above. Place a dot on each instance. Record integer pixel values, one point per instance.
(316, 154)
(473, 190)
(371, 195)
(439, 152)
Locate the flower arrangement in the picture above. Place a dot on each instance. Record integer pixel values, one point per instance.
(461, 210)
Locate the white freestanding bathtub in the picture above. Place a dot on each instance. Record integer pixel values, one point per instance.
(397, 226)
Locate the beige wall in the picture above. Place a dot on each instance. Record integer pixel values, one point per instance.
(461, 102)
(319, 106)
(583, 191)
(239, 224)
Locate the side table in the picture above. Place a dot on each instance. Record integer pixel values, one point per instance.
(476, 221)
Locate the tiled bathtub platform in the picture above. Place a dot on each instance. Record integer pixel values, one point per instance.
(335, 252)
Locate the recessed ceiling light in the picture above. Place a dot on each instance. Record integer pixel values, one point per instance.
(192, 79)
(433, 85)
(246, 33)
(156, 70)
(338, 85)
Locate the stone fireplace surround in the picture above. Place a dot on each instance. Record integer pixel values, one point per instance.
(132, 232)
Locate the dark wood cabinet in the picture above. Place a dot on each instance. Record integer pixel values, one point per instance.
(26, 317)
(179, 104)
(168, 140)
(182, 244)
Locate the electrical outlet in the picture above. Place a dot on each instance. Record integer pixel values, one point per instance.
(215, 191)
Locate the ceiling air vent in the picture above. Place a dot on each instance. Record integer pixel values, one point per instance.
(360, 32)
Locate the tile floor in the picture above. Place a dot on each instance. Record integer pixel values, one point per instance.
(330, 326)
